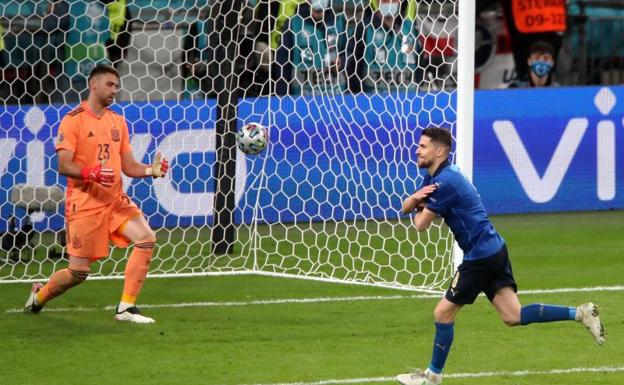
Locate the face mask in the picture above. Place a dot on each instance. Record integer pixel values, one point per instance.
(541, 68)
(389, 9)
(319, 5)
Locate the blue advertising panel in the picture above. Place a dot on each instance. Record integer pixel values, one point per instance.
(534, 150)
(551, 149)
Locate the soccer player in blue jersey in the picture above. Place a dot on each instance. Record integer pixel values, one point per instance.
(486, 268)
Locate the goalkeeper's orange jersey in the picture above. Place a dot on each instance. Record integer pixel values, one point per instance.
(92, 139)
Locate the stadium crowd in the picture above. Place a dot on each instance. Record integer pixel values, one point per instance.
(48, 47)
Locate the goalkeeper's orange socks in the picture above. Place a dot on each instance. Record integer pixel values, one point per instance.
(136, 271)
(58, 284)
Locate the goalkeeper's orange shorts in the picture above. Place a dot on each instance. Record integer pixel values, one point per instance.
(89, 236)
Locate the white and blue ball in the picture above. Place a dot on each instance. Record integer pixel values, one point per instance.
(252, 138)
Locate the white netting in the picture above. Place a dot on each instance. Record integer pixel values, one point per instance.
(343, 91)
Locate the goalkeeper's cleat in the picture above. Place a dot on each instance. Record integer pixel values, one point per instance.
(420, 378)
(31, 304)
(132, 314)
(588, 314)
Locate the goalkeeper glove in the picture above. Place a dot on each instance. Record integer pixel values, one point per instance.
(98, 174)
(159, 167)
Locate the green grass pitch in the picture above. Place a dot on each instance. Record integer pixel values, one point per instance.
(228, 337)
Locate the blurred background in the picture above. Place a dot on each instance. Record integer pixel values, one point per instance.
(166, 49)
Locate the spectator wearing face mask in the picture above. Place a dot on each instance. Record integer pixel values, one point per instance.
(384, 50)
(541, 62)
(310, 57)
(534, 21)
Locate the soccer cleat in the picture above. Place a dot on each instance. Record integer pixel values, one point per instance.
(419, 378)
(31, 307)
(588, 314)
(132, 314)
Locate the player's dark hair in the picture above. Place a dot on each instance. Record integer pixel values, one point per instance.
(439, 135)
(542, 47)
(102, 69)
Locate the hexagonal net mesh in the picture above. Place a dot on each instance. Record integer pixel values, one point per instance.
(343, 87)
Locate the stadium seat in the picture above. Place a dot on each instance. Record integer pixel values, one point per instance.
(144, 14)
(162, 4)
(17, 8)
(142, 3)
(188, 4)
(176, 4)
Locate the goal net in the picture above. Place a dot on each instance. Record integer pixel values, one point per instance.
(343, 87)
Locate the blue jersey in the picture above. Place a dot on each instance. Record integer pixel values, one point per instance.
(459, 203)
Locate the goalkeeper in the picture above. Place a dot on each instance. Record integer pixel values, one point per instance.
(485, 266)
(93, 148)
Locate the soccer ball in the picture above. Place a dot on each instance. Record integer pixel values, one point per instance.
(252, 138)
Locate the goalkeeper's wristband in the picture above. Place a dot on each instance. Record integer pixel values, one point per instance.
(148, 171)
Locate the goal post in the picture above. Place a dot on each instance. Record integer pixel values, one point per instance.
(344, 105)
(465, 96)
(229, 32)
(465, 86)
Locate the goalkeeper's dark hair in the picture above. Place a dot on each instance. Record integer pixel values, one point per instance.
(439, 135)
(103, 69)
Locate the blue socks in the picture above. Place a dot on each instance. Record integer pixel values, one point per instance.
(441, 346)
(538, 312)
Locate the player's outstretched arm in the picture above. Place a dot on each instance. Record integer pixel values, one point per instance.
(134, 169)
(98, 173)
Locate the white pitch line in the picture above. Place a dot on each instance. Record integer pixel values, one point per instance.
(572, 290)
(518, 373)
(281, 301)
